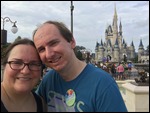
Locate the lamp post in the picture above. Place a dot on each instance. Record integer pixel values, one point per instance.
(72, 8)
(14, 29)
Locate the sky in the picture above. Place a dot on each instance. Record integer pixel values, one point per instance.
(90, 19)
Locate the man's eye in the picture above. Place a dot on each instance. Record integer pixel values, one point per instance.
(40, 50)
(53, 43)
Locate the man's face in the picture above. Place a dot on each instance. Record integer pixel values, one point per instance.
(53, 49)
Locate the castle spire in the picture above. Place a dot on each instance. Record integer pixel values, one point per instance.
(101, 42)
(132, 43)
(141, 44)
(115, 10)
(120, 28)
(115, 19)
(115, 26)
(123, 41)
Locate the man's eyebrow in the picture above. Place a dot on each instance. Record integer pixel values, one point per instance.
(48, 43)
(52, 41)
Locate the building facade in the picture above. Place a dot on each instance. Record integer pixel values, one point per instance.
(143, 55)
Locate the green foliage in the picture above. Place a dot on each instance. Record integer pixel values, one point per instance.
(78, 53)
(18, 38)
(135, 60)
(3, 50)
(4, 47)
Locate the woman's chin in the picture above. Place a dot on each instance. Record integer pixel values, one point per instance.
(23, 90)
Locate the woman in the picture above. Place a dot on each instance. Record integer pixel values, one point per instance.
(120, 70)
(22, 72)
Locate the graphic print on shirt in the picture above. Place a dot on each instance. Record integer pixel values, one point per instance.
(57, 103)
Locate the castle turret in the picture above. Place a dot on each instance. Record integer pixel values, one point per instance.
(101, 51)
(116, 52)
(106, 33)
(96, 50)
(102, 42)
(140, 50)
(120, 36)
(132, 49)
(120, 29)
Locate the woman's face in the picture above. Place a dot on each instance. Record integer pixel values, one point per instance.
(23, 80)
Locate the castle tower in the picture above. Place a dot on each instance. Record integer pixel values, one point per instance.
(96, 51)
(124, 51)
(140, 50)
(120, 35)
(101, 51)
(116, 52)
(132, 49)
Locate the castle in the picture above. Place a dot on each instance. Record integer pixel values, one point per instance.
(114, 48)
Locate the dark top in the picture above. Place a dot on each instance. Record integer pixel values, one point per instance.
(38, 102)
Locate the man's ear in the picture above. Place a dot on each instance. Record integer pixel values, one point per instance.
(73, 43)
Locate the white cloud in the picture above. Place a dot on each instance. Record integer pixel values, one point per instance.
(90, 18)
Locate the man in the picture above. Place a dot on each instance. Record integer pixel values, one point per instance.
(72, 85)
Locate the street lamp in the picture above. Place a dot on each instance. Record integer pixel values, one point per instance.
(14, 29)
(72, 8)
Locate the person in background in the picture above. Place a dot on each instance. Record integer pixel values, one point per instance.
(22, 72)
(71, 84)
(120, 70)
(129, 69)
(125, 74)
(113, 70)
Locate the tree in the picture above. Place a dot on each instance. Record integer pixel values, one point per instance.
(78, 52)
(4, 47)
(18, 38)
(135, 60)
(3, 50)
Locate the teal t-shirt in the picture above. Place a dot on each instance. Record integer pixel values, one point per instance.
(94, 89)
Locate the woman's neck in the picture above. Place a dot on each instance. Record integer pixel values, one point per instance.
(11, 95)
(16, 102)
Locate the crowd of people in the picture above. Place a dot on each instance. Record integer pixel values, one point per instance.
(119, 71)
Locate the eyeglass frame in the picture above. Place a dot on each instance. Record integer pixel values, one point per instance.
(24, 64)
